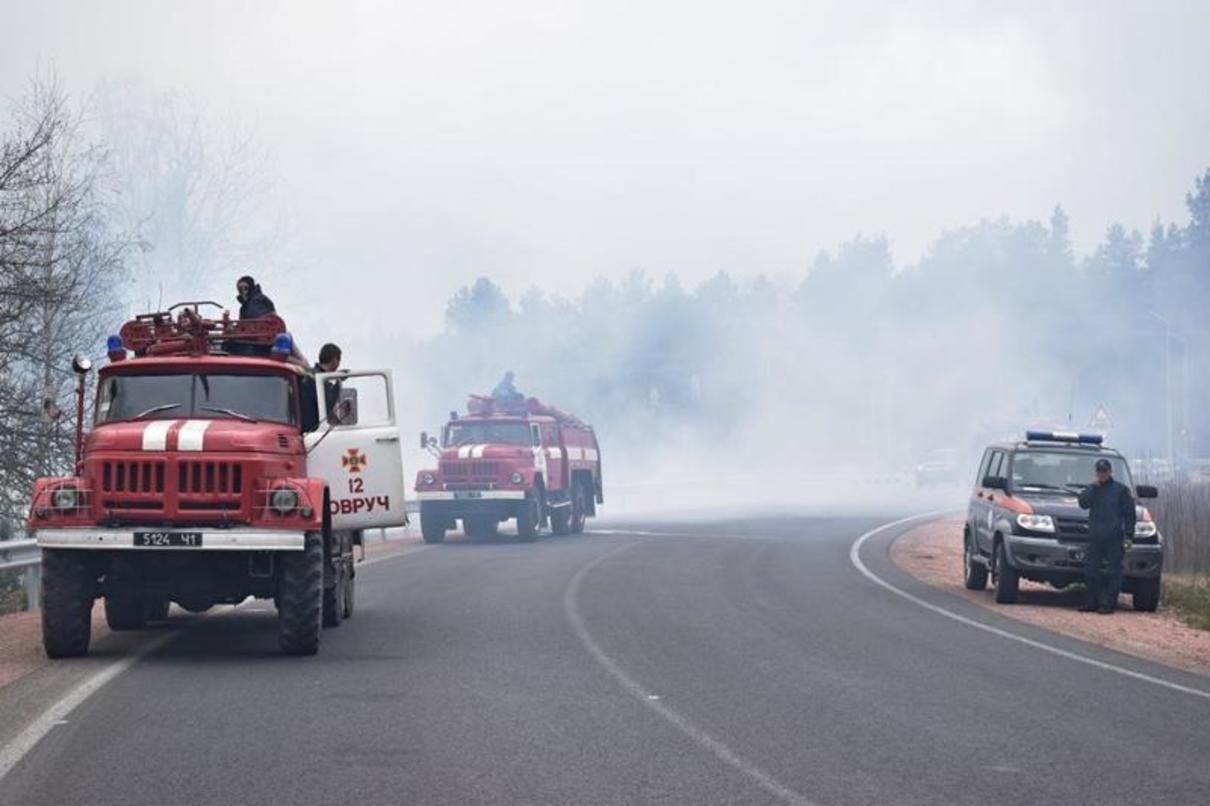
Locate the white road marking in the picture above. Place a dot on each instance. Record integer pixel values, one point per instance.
(192, 435)
(56, 715)
(571, 609)
(12, 753)
(855, 558)
(155, 435)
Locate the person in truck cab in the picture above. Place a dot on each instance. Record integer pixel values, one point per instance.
(329, 361)
(253, 302)
(1111, 517)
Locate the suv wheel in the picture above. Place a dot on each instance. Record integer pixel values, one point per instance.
(1008, 581)
(974, 573)
(1146, 596)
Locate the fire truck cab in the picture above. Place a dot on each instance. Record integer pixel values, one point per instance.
(215, 471)
(510, 460)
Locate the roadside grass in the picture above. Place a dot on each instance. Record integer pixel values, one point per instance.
(1189, 596)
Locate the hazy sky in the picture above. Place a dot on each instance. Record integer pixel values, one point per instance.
(419, 144)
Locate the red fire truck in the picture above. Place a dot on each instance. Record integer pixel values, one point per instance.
(217, 468)
(510, 459)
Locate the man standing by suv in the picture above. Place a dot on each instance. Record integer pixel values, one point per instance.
(1110, 523)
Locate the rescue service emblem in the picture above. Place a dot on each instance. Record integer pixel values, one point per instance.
(353, 460)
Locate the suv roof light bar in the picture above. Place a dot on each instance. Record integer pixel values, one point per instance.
(1064, 436)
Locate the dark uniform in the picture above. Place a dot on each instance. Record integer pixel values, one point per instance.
(255, 303)
(1111, 519)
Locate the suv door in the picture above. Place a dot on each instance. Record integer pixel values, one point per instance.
(986, 501)
(356, 451)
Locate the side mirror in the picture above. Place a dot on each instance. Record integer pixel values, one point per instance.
(995, 483)
(341, 413)
(1147, 491)
(81, 365)
(424, 440)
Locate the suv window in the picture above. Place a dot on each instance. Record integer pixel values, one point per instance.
(996, 468)
(1061, 470)
(983, 465)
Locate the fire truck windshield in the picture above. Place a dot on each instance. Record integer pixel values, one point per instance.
(486, 433)
(202, 395)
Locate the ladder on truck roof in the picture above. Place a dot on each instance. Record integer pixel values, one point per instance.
(183, 330)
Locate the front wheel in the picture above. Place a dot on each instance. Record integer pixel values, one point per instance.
(68, 586)
(1008, 581)
(527, 519)
(1146, 596)
(300, 594)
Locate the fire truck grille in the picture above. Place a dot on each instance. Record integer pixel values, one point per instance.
(132, 477)
(465, 470)
(143, 488)
(210, 478)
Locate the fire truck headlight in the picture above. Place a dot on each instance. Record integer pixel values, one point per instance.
(65, 498)
(518, 478)
(284, 500)
(428, 479)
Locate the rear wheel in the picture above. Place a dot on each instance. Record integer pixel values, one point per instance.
(432, 528)
(334, 609)
(560, 520)
(125, 611)
(350, 590)
(974, 573)
(67, 595)
(579, 508)
(1008, 581)
(300, 594)
(155, 609)
(479, 528)
(1146, 596)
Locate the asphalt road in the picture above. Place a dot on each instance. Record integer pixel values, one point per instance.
(729, 662)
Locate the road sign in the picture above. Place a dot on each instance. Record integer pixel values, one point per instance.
(1101, 419)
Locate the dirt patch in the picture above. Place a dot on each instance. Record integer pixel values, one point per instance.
(21, 642)
(933, 553)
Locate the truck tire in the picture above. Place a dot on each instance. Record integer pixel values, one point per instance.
(579, 508)
(67, 595)
(479, 528)
(560, 520)
(527, 519)
(432, 528)
(300, 593)
(974, 574)
(155, 609)
(1008, 581)
(334, 597)
(125, 611)
(1146, 596)
(350, 593)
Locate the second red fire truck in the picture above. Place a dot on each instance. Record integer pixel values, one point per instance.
(510, 460)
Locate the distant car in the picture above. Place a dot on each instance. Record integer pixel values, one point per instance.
(940, 467)
(1024, 521)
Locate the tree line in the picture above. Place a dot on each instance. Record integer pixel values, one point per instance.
(860, 361)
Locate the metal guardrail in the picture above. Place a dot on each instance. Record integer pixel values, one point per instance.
(17, 555)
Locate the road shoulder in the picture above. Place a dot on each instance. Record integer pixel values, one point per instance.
(932, 553)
